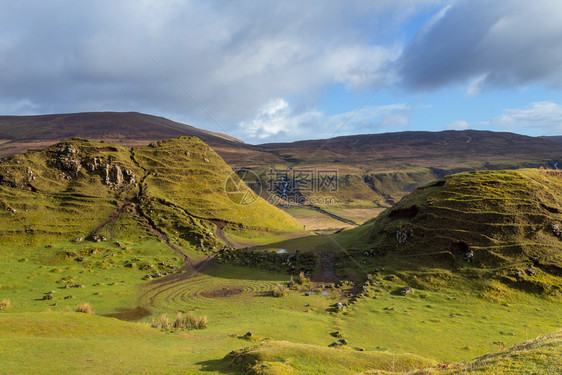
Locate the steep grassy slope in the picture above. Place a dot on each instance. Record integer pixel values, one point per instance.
(503, 217)
(76, 188)
(486, 225)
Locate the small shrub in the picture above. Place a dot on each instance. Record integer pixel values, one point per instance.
(161, 323)
(280, 291)
(85, 308)
(190, 321)
(303, 279)
(5, 304)
(202, 323)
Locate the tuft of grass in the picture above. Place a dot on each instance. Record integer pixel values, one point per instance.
(182, 322)
(5, 304)
(163, 322)
(189, 321)
(85, 308)
(280, 290)
(302, 279)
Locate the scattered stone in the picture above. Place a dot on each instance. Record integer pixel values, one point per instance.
(340, 342)
(468, 256)
(80, 259)
(406, 290)
(340, 306)
(79, 239)
(69, 297)
(402, 237)
(530, 271)
(248, 335)
(48, 297)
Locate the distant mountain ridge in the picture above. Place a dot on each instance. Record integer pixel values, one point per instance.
(20, 133)
(372, 152)
(374, 170)
(419, 149)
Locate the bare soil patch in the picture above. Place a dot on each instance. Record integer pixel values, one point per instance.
(129, 314)
(221, 293)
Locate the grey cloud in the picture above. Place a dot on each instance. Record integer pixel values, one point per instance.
(498, 43)
(234, 57)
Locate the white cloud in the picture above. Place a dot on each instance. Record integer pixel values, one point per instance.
(277, 121)
(234, 57)
(545, 118)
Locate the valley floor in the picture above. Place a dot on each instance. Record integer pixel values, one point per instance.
(443, 324)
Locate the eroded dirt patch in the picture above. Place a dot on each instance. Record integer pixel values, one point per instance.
(221, 293)
(129, 314)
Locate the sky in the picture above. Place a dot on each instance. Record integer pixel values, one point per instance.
(275, 71)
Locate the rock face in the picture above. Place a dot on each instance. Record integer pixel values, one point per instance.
(115, 177)
(68, 159)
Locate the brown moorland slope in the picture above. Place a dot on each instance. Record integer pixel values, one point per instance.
(20, 133)
(393, 151)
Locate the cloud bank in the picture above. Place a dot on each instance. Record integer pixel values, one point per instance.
(261, 68)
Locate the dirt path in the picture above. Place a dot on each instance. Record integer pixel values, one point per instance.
(121, 208)
(219, 233)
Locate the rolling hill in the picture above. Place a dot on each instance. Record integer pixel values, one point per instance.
(506, 224)
(407, 150)
(373, 171)
(77, 188)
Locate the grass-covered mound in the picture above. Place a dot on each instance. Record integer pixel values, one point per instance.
(282, 357)
(78, 188)
(490, 219)
(542, 355)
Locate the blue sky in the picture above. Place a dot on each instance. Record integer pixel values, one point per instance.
(273, 71)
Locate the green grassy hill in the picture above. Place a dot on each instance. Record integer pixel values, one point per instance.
(503, 217)
(486, 224)
(78, 188)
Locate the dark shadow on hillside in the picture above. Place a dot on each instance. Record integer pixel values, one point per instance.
(217, 365)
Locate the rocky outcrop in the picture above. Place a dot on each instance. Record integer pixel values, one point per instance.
(68, 159)
(115, 177)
